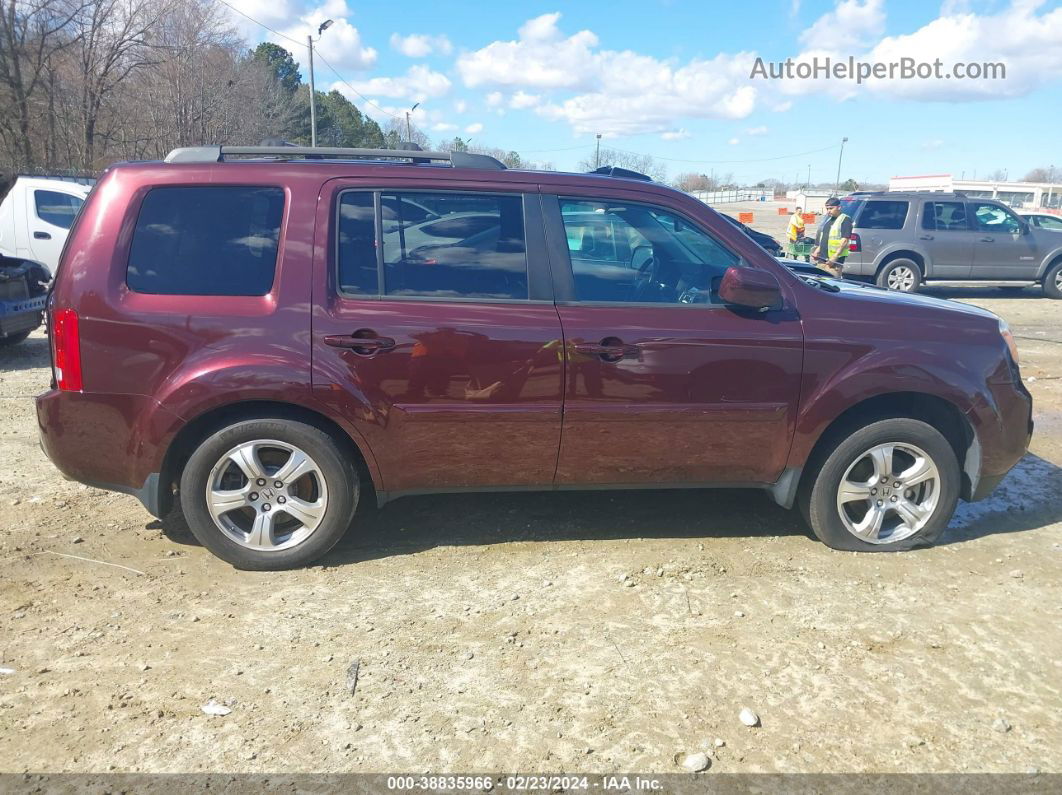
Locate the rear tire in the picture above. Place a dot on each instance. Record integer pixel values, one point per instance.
(1053, 281)
(269, 494)
(902, 275)
(850, 507)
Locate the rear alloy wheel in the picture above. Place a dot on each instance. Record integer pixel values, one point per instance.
(1053, 281)
(889, 486)
(269, 494)
(902, 275)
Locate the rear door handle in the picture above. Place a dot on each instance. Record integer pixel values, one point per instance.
(363, 341)
(925, 237)
(41, 236)
(988, 240)
(611, 350)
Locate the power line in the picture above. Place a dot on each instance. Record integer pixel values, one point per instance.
(321, 57)
(725, 162)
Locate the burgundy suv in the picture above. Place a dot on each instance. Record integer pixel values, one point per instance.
(271, 336)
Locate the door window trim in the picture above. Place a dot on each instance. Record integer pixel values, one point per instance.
(538, 284)
(564, 282)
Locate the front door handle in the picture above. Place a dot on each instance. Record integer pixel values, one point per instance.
(41, 236)
(363, 341)
(609, 349)
(988, 240)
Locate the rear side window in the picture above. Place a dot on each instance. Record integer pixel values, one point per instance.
(215, 240)
(883, 215)
(945, 216)
(453, 245)
(58, 209)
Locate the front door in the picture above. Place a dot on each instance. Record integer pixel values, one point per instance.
(1003, 248)
(435, 334)
(949, 238)
(665, 384)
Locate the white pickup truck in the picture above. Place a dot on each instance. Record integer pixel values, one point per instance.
(35, 218)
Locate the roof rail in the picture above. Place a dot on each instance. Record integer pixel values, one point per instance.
(616, 171)
(413, 154)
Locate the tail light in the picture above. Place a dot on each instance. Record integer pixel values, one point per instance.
(66, 350)
(854, 244)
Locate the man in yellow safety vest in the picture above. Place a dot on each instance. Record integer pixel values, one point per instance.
(795, 230)
(833, 238)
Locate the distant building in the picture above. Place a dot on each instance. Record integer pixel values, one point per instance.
(1020, 195)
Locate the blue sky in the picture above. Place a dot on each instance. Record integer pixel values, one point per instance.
(671, 78)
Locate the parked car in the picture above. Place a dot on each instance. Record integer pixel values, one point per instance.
(233, 332)
(904, 240)
(23, 284)
(765, 241)
(1044, 221)
(36, 217)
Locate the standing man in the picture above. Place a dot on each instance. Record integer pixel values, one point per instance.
(795, 230)
(833, 238)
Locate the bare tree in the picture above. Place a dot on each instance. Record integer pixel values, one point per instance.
(644, 164)
(31, 33)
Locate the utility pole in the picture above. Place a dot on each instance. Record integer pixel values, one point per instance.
(808, 183)
(597, 155)
(841, 155)
(409, 128)
(313, 105)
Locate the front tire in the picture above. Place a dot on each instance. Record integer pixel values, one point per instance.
(889, 486)
(1053, 281)
(901, 275)
(269, 494)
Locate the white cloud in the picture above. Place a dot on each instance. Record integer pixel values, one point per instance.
(782, 107)
(418, 84)
(761, 130)
(521, 100)
(460, 106)
(675, 135)
(341, 45)
(420, 45)
(850, 24)
(734, 141)
(495, 98)
(474, 129)
(442, 126)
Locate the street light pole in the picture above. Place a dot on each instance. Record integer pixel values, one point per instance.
(409, 128)
(841, 155)
(597, 155)
(313, 107)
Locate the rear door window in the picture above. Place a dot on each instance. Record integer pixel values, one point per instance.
(55, 208)
(214, 240)
(945, 217)
(454, 245)
(883, 215)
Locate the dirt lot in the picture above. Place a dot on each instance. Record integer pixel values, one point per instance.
(586, 632)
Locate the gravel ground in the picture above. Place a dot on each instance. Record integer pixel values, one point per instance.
(586, 632)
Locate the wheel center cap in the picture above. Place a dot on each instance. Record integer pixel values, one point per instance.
(268, 493)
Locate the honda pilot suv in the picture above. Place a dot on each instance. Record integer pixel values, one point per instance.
(271, 337)
(903, 240)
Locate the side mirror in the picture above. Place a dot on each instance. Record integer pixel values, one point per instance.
(752, 288)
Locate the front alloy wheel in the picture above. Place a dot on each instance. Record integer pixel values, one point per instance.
(890, 485)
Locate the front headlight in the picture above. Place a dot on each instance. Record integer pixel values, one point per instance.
(1008, 338)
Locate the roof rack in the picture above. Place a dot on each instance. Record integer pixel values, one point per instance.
(412, 154)
(616, 171)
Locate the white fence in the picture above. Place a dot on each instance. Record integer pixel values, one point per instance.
(730, 196)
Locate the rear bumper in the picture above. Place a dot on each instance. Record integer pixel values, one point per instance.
(21, 315)
(114, 442)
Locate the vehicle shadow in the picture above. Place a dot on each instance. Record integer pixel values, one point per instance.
(973, 293)
(29, 354)
(1026, 500)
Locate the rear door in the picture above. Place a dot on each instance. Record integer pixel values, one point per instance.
(1004, 249)
(664, 383)
(435, 333)
(949, 238)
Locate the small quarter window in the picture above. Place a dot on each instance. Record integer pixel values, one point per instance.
(357, 244)
(883, 215)
(216, 240)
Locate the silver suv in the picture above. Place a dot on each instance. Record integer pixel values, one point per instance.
(902, 240)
